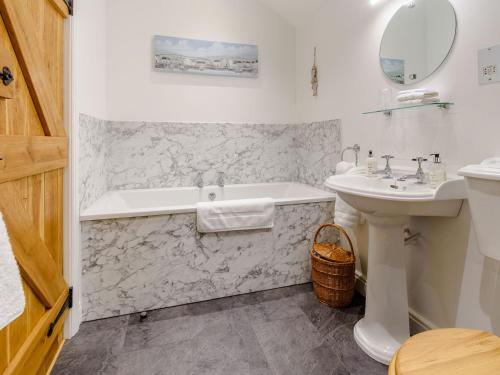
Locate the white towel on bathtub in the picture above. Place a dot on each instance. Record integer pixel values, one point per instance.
(232, 215)
(12, 298)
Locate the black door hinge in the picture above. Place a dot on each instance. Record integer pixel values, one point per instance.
(68, 304)
(70, 5)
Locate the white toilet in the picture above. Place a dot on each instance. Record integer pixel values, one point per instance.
(483, 188)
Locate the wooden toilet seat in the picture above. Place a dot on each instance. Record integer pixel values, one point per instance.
(448, 352)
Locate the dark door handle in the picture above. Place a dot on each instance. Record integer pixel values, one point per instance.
(7, 76)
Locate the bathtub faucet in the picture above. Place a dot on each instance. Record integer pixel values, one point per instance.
(220, 179)
(198, 180)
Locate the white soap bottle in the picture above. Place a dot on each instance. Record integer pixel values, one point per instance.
(371, 165)
(437, 172)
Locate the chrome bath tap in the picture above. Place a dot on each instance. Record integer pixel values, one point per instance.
(220, 179)
(198, 180)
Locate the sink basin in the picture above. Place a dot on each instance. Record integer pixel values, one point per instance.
(379, 196)
(388, 205)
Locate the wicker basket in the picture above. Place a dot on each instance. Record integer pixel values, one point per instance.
(333, 270)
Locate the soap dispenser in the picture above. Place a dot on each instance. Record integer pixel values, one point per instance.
(437, 172)
(371, 165)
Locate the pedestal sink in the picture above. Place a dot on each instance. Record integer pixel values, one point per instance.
(388, 205)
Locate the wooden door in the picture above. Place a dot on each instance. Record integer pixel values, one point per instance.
(33, 153)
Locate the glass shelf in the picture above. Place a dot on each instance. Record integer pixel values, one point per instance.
(388, 111)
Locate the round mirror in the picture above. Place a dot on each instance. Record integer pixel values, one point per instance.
(417, 40)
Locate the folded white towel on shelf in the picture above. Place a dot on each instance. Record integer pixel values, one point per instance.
(416, 96)
(232, 215)
(421, 101)
(12, 300)
(413, 91)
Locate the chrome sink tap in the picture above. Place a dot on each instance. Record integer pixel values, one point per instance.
(220, 179)
(419, 175)
(198, 180)
(387, 171)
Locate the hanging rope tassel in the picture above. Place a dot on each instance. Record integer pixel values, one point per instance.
(314, 76)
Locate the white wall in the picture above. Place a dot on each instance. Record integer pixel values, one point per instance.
(90, 57)
(449, 282)
(85, 63)
(135, 92)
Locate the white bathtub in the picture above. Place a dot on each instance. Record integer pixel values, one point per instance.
(151, 202)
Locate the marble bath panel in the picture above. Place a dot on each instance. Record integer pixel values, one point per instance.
(92, 159)
(144, 263)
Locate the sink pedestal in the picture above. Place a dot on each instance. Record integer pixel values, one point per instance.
(388, 209)
(385, 326)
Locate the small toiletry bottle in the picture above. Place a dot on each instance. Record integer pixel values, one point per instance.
(437, 172)
(371, 165)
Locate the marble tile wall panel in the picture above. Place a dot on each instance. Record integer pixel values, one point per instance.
(152, 155)
(318, 147)
(93, 159)
(132, 155)
(143, 263)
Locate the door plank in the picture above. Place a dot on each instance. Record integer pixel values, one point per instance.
(34, 350)
(35, 308)
(38, 267)
(21, 30)
(53, 214)
(51, 358)
(61, 7)
(32, 32)
(18, 330)
(25, 156)
(18, 113)
(6, 60)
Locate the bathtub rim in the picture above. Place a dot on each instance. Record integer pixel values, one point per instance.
(326, 196)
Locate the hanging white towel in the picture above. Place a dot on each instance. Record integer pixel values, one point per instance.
(12, 298)
(232, 215)
(347, 216)
(343, 167)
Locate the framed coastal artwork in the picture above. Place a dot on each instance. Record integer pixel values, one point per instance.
(183, 55)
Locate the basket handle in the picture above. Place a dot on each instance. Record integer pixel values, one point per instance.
(340, 229)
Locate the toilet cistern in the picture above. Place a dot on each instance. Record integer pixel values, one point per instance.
(483, 189)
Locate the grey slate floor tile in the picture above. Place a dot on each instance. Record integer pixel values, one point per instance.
(288, 345)
(341, 340)
(281, 331)
(94, 347)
